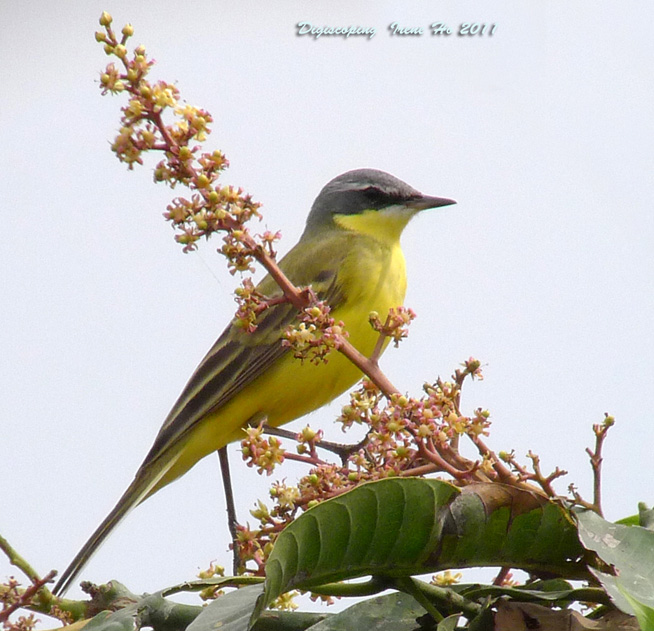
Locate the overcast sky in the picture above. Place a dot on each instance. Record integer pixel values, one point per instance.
(543, 133)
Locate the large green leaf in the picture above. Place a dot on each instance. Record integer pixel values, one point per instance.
(630, 551)
(388, 524)
(403, 526)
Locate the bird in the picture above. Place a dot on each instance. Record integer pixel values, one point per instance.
(350, 255)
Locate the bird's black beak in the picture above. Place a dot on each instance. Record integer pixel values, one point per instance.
(425, 201)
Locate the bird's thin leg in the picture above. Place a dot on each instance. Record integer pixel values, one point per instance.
(231, 508)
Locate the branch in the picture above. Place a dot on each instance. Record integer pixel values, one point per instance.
(18, 561)
(368, 367)
(445, 598)
(601, 431)
(25, 599)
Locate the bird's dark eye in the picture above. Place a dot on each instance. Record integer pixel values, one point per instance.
(376, 198)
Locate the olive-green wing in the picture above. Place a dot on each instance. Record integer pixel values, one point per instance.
(238, 358)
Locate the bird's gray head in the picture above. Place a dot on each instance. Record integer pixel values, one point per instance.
(363, 190)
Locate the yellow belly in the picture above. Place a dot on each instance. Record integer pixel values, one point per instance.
(291, 388)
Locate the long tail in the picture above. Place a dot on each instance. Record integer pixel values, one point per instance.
(145, 483)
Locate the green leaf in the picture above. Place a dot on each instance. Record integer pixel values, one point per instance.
(121, 620)
(151, 610)
(229, 612)
(393, 612)
(399, 527)
(630, 550)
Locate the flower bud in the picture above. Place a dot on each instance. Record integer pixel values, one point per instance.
(128, 30)
(105, 19)
(200, 221)
(394, 426)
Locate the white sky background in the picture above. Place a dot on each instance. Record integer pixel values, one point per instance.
(543, 133)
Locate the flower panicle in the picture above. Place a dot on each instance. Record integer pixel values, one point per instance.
(156, 119)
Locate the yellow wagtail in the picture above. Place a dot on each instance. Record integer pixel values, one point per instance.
(350, 255)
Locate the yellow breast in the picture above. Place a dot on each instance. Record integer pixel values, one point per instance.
(374, 280)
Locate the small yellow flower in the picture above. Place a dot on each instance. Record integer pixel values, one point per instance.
(285, 602)
(261, 513)
(446, 578)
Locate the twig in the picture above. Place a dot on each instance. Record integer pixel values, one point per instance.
(310, 460)
(580, 500)
(442, 465)
(367, 367)
(446, 598)
(18, 561)
(601, 430)
(420, 470)
(503, 472)
(545, 482)
(409, 585)
(379, 345)
(200, 585)
(342, 450)
(232, 520)
(26, 597)
(502, 575)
